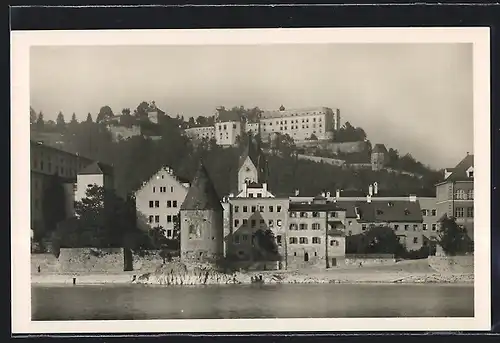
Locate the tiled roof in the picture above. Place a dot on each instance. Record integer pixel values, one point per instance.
(288, 113)
(314, 207)
(459, 173)
(228, 115)
(97, 168)
(391, 211)
(202, 194)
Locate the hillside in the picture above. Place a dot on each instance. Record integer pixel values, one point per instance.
(136, 159)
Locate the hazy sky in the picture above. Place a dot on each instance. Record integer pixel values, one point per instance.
(416, 98)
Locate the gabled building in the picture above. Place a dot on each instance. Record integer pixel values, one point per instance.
(201, 221)
(455, 194)
(228, 126)
(253, 168)
(159, 199)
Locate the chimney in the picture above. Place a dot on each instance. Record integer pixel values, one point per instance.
(296, 192)
(323, 194)
(264, 187)
(337, 194)
(368, 198)
(413, 198)
(375, 188)
(328, 194)
(370, 190)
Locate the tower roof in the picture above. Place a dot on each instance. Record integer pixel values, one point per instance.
(379, 148)
(97, 168)
(253, 151)
(202, 195)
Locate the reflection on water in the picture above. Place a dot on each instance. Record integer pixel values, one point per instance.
(262, 301)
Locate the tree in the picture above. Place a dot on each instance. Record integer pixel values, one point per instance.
(73, 119)
(142, 110)
(32, 116)
(453, 238)
(40, 124)
(201, 121)
(60, 122)
(265, 247)
(191, 122)
(126, 111)
(104, 113)
(89, 118)
(376, 240)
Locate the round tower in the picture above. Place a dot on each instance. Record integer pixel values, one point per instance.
(378, 157)
(201, 215)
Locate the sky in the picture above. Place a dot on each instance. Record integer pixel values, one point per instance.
(416, 98)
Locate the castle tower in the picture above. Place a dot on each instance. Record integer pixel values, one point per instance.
(253, 167)
(201, 216)
(378, 157)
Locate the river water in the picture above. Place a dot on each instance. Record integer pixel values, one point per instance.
(251, 301)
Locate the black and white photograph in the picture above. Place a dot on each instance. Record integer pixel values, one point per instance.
(293, 179)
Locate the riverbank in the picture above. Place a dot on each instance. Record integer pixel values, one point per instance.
(402, 272)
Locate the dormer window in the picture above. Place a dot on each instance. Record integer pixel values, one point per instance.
(470, 172)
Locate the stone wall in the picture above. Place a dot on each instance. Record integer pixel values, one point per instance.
(367, 260)
(452, 264)
(332, 161)
(345, 147)
(48, 263)
(147, 261)
(91, 260)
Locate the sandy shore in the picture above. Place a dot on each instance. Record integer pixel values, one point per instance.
(404, 272)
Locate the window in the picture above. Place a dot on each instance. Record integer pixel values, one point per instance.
(259, 195)
(415, 227)
(169, 203)
(459, 212)
(250, 195)
(169, 219)
(244, 237)
(316, 226)
(315, 214)
(303, 240)
(434, 227)
(415, 240)
(278, 222)
(234, 126)
(434, 212)
(424, 227)
(363, 227)
(262, 222)
(334, 214)
(293, 240)
(278, 209)
(470, 194)
(261, 208)
(303, 214)
(169, 233)
(157, 203)
(406, 227)
(460, 194)
(424, 212)
(271, 223)
(253, 222)
(154, 189)
(470, 212)
(254, 208)
(271, 209)
(303, 226)
(236, 223)
(334, 242)
(316, 240)
(151, 204)
(174, 203)
(236, 239)
(396, 227)
(245, 222)
(157, 219)
(236, 209)
(293, 226)
(293, 214)
(150, 219)
(171, 189)
(278, 239)
(245, 209)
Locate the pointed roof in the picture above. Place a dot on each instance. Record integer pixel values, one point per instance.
(97, 168)
(379, 148)
(202, 194)
(459, 173)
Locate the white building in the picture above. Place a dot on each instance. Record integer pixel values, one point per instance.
(228, 126)
(159, 199)
(301, 124)
(95, 174)
(199, 133)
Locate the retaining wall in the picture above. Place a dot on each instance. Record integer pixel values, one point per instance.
(91, 260)
(452, 264)
(48, 263)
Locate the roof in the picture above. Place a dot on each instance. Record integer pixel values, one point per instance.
(379, 148)
(298, 111)
(330, 206)
(202, 195)
(97, 168)
(227, 115)
(459, 173)
(390, 211)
